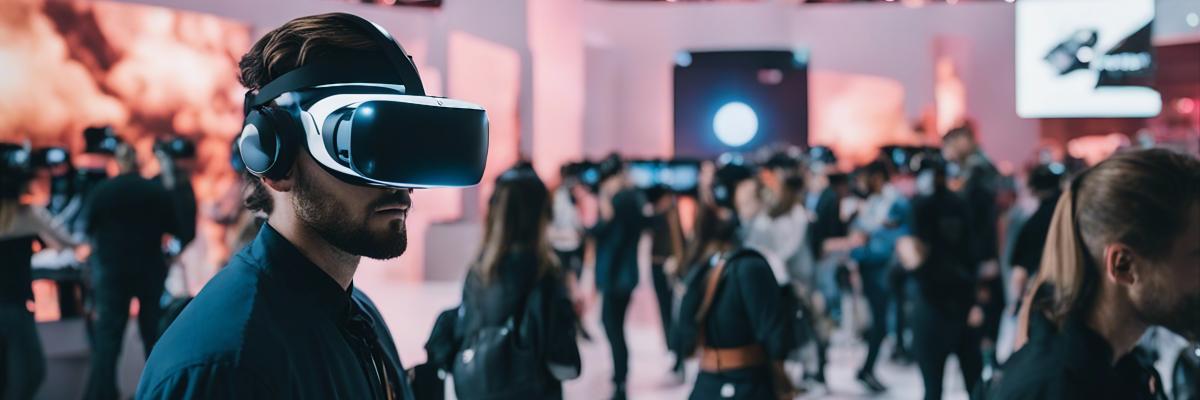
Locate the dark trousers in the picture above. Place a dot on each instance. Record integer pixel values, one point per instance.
(113, 294)
(875, 290)
(612, 315)
(900, 301)
(666, 301)
(22, 363)
(936, 335)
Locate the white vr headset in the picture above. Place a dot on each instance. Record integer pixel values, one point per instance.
(366, 120)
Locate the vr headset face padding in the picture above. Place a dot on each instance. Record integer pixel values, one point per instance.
(268, 142)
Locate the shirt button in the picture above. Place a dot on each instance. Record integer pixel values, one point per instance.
(727, 391)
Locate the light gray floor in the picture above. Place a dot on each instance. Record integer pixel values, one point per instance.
(411, 308)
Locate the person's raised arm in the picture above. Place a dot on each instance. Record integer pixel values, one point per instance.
(50, 231)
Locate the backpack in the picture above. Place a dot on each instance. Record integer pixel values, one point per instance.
(526, 357)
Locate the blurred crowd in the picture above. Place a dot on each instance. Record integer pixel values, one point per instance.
(758, 261)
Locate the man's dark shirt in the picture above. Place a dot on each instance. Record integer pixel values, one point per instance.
(274, 325)
(617, 242)
(942, 221)
(1074, 363)
(1032, 239)
(126, 219)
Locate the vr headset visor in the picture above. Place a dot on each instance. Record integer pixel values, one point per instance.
(399, 140)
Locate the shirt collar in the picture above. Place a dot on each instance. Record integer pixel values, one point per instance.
(1086, 350)
(308, 284)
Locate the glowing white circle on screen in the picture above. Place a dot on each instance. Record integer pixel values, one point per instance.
(735, 124)
(1193, 20)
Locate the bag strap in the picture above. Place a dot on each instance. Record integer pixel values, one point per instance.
(710, 291)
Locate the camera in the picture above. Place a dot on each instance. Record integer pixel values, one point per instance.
(681, 177)
(584, 173)
(15, 168)
(49, 157)
(176, 148)
(907, 159)
(100, 140)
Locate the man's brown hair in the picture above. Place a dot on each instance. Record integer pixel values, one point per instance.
(286, 48)
(298, 41)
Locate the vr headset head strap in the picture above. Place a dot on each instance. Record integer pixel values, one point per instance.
(395, 67)
(393, 51)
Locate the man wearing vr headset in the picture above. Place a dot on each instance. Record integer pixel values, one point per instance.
(338, 131)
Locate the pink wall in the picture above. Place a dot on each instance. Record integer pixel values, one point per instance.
(639, 41)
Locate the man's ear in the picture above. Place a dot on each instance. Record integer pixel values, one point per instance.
(284, 184)
(1119, 265)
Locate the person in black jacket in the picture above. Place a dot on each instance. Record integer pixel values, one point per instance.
(978, 182)
(1122, 255)
(945, 275)
(128, 216)
(623, 218)
(732, 312)
(515, 267)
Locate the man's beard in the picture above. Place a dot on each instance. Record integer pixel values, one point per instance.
(1184, 319)
(321, 213)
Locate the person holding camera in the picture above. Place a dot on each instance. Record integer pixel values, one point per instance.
(732, 315)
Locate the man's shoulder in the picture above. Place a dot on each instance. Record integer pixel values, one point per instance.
(1036, 372)
(225, 329)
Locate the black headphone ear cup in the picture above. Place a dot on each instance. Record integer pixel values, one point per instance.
(268, 142)
(288, 136)
(257, 143)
